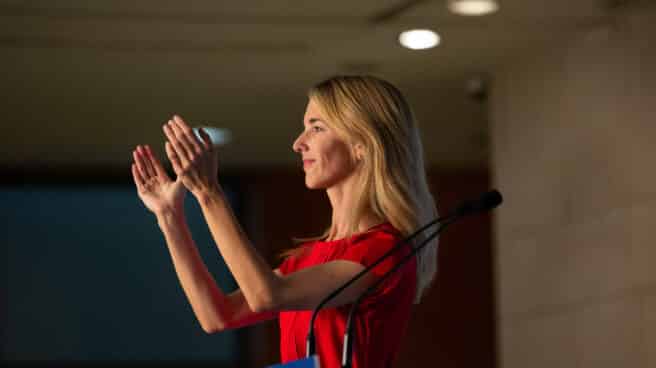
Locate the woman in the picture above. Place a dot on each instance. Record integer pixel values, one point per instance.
(361, 144)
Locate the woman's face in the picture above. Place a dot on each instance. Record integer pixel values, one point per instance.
(327, 159)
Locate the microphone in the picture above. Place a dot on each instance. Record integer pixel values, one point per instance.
(487, 201)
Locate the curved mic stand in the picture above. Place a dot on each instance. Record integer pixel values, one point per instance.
(486, 202)
(347, 350)
(309, 348)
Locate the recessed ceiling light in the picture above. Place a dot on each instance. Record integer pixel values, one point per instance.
(218, 136)
(473, 7)
(419, 39)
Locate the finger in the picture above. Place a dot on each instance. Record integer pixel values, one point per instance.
(147, 162)
(184, 141)
(178, 120)
(157, 165)
(176, 145)
(138, 180)
(187, 134)
(173, 157)
(140, 166)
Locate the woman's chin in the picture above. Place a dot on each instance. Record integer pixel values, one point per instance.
(311, 184)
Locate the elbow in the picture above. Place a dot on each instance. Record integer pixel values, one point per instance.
(213, 325)
(209, 330)
(212, 329)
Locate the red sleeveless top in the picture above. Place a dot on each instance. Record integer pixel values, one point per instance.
(382, 317)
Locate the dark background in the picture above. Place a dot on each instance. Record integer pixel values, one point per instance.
(89, 278)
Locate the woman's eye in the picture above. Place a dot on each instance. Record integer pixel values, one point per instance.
(317, 128)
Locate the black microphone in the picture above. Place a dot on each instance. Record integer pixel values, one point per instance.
(485, 202)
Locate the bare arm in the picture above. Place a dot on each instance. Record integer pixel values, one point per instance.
(263, 289)
(214, 310)
(196, 164)
(165, 197)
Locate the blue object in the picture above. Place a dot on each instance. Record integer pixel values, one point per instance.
(311, 362)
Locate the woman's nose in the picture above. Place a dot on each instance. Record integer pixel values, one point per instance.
(299, 144)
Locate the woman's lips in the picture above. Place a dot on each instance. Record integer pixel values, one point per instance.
(307, 163)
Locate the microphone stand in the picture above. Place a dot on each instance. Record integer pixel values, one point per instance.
(486, 202)
(347, 350)
(310, 340)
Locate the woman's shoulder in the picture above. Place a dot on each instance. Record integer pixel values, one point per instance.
(373, 245)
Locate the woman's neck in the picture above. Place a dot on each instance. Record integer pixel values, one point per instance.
(342, 203)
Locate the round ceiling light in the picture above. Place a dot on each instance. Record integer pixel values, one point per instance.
(473, 7)
(419, 39)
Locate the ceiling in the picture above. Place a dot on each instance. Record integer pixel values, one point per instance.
(83, 81)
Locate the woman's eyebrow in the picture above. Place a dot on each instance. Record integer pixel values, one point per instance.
(314, 120)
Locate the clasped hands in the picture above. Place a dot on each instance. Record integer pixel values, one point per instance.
(194, 161)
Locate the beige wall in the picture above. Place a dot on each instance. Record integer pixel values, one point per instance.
(574, 153)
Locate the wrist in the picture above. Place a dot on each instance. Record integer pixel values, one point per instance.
(169, 215)
(211, 194)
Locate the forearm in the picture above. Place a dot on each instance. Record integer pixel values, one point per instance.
(256, 280)
(207, 300)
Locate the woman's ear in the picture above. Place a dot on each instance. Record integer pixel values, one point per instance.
(358, 152)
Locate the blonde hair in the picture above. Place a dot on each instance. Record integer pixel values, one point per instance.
(392, 178)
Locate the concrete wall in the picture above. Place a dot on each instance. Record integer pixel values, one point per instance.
(574, 152)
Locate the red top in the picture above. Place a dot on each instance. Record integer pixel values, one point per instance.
(382, 317)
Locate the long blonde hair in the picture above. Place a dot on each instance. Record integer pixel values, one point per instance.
(392, 178)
